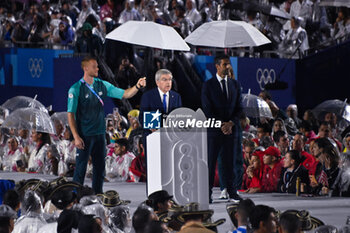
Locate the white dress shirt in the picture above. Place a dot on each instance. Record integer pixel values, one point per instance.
(220, 79)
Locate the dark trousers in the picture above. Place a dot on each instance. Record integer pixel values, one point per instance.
(223, 145)
(222, 180)
(96, 147)
(237, 168)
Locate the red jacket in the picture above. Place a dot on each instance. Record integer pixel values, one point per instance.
(308, 162)
(271, 177)
(254, 182)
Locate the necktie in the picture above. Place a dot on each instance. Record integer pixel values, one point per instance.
(224, 91)
(164, 102)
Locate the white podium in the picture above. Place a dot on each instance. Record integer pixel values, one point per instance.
(177, 158)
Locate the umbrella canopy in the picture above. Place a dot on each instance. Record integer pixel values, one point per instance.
(60, 116)
(23, 102)
(340, 108)
(254, 106)
(227, 34)
(336, 3)
(3, 114)
(149, 34)
(274, 11)
(30, 118)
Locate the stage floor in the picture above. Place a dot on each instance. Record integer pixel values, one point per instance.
(333, 211)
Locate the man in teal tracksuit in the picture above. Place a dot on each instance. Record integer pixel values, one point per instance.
(86, 119)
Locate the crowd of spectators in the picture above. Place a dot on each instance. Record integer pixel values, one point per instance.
(83, 25)
(62, 206)
(285, 154)
(40, 152)
(291, 155)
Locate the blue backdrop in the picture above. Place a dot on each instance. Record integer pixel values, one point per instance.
(255, 73)
(205, 67)
(67, 71)
(36, 66)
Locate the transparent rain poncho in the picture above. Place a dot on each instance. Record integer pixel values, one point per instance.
(89, 200)
(67, 149)
(62, 167)
(7, 212)
(52, 155)
(326, 229)
(10, 159)
(99, 211)
(36, 162)
(120, 220)
(32, 219)
(117, 167)
(341, 185)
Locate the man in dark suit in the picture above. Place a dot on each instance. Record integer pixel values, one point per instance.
(161, 98)
(221, 99)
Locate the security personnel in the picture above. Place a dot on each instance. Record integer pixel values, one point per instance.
(86, 119)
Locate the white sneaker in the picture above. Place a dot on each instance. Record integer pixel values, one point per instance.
(224, 194)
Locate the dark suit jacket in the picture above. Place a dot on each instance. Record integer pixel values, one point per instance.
(151, 101)
(214, 104)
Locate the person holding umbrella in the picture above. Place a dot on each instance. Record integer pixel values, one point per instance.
(86, 119)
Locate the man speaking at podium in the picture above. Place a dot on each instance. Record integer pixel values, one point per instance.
(161, 99)
(221, 99)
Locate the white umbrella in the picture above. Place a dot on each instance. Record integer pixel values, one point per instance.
(227, 34)
(279, 13)
(336, 3)
(149, 34)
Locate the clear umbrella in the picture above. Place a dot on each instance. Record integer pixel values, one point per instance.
(30, 118)
(254, 106)
(227, 34)
(60, 116)
(23, 102)
(340, 108)
(3, 114)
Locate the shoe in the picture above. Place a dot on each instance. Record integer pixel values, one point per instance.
(235, 198)
(224, 194)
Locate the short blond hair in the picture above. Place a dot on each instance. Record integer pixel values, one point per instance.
(86, 60)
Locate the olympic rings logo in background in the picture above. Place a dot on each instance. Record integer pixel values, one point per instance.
(35, 67)
(265, 76)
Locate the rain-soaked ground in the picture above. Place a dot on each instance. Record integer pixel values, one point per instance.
(333, 211)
